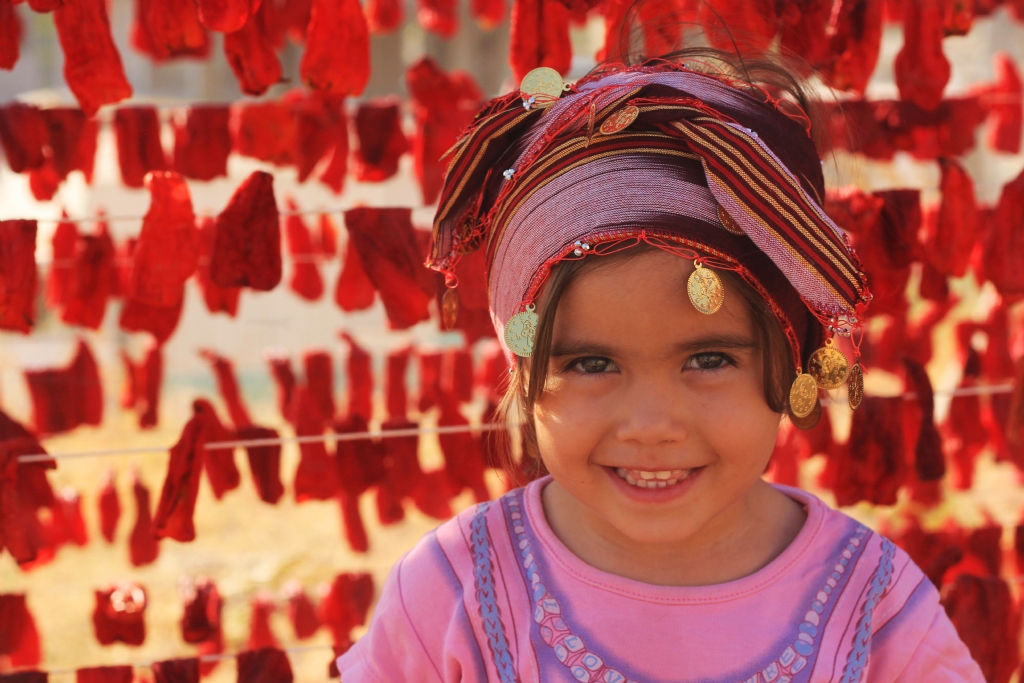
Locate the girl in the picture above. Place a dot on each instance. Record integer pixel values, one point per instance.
(668, 288)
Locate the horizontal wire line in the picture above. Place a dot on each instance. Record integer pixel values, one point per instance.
(244, 443)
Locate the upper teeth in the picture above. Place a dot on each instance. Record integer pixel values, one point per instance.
(648, 479)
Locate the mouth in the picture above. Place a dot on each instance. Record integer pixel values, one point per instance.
(654, 479)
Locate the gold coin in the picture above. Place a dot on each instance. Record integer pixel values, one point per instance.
(828, 366)
(619, 120)
(449, 308)
(728, 222)
(521, 332)
(809, 422)
(803, 395)
(705, 290)
(544, 83)
(855, 389)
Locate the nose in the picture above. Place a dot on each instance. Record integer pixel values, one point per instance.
(650, 415)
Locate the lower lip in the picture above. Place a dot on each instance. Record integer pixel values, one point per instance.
(643, 495)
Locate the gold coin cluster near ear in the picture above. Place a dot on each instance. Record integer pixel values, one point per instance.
(705, 289)
(803, 396)
(810, 421)
(828, 366)
(541, 87)
(449, 308)
(521, 332)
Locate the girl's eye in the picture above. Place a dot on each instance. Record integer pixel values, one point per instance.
(592, 365)
(708, 361)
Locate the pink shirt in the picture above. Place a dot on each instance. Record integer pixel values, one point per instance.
(494, 596)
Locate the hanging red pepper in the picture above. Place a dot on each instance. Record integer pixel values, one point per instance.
(316, 477)
(360, 461)
(326, 242)
(137, 130)
(200, 620)
(872, 465)
(260, 633)
(474, 319)
(401, 460)
(381, 142)
(65, 398)
(105, 674)
(463, 457)
(19, 638)
(219, 463)
(265, 131)
(306, 280)
(539, 37)
(264, 463)
(457, 380)
(226, 16)
(1005, 109)
(856, 36)
(218, 299)
(431, 494)
(343, 606)
(301, 611)
(314, 132)
(68, 522)
(227, 385)
(429, 394)
(168, 247)
(17, 275)
(24, 135)
(1004, 253)
(803, 30)
(169, 28)
(360, 380)
(149, 378)
(921, 68)
(982, 610)
(92, 65)
(388, 249)
(337, 168)
(438, 16)
(181, 486)
(247, 249)
(202, 141)
(284, 381)
(10, 35)
(72, 140)
(337, 56)
(143, 546)
(93, 279)
(119, 616)
(396, 396)
(267, 664)
(109, 506)
(176, 671)
(319, 372)
(353, 291)
(251, 56)
(60, 275)
(955, 232)
(384, 16)
(739, 24)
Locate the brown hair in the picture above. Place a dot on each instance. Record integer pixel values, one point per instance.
(528, 376)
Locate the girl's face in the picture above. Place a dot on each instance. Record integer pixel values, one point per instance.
(653, 416)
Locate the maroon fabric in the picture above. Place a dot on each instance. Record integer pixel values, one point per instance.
(19, 639)
(431, 494)
(326, 236)
(202, 141)
(260, 633)
(247, 247)
(176, 671)
(218, 299)
(264, 463)
(227, 384)
(17, 275)
(137, 131)
(109, 505)
(119, 615)
(458, 377)
(928, 457)
(352, 520)
(167, 251)
(380, 140)
(388, 249)
(251, 56)
(63, 399)
(268, 664)
(143, 546)
(200, 620)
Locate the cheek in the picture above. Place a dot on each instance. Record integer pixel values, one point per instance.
(568, 424)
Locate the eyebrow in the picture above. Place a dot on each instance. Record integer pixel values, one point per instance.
(579, 347)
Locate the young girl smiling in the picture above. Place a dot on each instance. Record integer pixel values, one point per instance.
(669, 289)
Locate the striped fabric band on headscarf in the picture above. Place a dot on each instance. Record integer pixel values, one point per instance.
(528, 183)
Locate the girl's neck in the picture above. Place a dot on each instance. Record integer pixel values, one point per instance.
(745, 538)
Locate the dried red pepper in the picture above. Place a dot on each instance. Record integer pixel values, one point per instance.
(17, 275)
(10, 35)
(327, 236)
(19, 638)
(137, 130)
(1006, 111)
(301, 612)
(305, 280)
(60, 275)
(227, 385)
(319, 371)
(387, 246)
(463, 456)
(265, 131)
(803, 30)
(352, 520)
(200, 621)
(93, 279)
(105, 674)
(202, 141)
(955, 229)
(381, 142)
(24, 135)
(739, 24)
(168, 246)
(353, 291)
(921, 68)
(431, 495)
(143, 545)
(384, 16)
(218, 299)
(314, 133)
(264, 463)
(401, 459)
(1004, 253)
(872, 465)
(334, 174)
(176, 671)
(260, 633)
(856, 37)
(267, 664)
(226, 16)
(219, 463)
(316, 477)
(68, 522)
(458, 378)
(429, 394)
(181, 486)
(71, 140)
(337, 56)
(438, 16)
(65, 398)
(345, 603)
(540, 37)
(247, 248)
(119, 615)
(251, 56)
(396, 395)
(284, 381)
(92, 65)
(983, 612)
(165, 29)
(359, 368)
(109, 506)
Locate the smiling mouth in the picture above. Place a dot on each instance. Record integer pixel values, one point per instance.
(646, 479)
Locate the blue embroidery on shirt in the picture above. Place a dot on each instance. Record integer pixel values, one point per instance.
(858, 657)
(483, 581)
